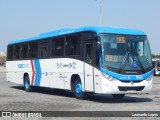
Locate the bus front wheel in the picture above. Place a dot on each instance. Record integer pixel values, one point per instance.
(118, 96)
(27, 85)
(78, 91)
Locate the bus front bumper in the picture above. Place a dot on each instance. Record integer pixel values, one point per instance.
(119, 87)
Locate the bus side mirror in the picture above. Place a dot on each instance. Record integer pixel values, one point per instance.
(98, 45)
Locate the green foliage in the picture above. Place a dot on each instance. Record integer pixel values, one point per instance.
(155, 56)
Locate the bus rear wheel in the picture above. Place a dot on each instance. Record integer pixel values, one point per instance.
(78, 91)
(27, 85)
(118, 96)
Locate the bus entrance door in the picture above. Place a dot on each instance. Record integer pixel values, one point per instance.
(89, 80)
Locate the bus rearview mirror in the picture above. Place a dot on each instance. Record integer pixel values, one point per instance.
(98, 45)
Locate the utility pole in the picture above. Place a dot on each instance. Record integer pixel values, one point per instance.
(100, 12)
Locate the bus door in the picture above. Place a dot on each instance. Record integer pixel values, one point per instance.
(88, 66)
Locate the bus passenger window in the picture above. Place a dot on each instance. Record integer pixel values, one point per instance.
(24, 51)
(33, 50)
(10, 52)
(44, 51)
(73, 44)
(59, 47)
(17, 52)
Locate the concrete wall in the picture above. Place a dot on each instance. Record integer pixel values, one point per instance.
(2, 69)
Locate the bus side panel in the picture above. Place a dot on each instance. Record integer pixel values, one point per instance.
(74, 67)
(97, 81)
(54, 73)
(15, 70)
(57, 72)
(89, 80)
(41, 68)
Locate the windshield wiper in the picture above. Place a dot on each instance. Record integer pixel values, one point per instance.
(123, 62)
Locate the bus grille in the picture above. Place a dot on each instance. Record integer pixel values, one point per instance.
(139, 88)
(130, 81)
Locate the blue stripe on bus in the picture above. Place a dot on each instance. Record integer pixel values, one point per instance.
(128, 77)
(38, 73)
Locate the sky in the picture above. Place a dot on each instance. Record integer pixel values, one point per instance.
(20, 19)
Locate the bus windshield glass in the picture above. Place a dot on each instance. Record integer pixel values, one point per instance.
(125, 52)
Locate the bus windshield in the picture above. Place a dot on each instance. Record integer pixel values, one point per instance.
(125, 52)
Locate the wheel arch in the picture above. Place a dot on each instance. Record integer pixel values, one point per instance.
(25, 74)
(74, 77)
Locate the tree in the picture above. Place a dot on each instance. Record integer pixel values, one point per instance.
(155, 56)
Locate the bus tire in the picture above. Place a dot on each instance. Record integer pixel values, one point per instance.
(118, 96)
(78, 91)
(27, 85)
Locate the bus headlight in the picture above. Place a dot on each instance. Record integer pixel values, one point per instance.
(108, 77)
(149, 78)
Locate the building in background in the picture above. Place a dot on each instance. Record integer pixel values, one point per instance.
(2, 54)
(2, 58)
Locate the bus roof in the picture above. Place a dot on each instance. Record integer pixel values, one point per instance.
(98, 30)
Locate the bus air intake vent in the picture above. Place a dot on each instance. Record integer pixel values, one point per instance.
(130, 81)
(139, 88)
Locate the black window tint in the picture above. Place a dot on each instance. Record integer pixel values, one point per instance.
(59, 47)
(97, 58)
(10, 52)
(89, 53)
(24, 51)
(33, 50)
(44, 50)
(17, 52)
(73, 44)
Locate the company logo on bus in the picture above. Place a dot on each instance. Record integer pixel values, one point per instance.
(23, 65)
(70, 65)
(132, 82)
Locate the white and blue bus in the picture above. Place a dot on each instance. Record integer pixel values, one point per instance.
(156, 66)
(100, 60)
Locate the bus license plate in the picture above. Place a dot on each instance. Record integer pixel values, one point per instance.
(131, 91)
